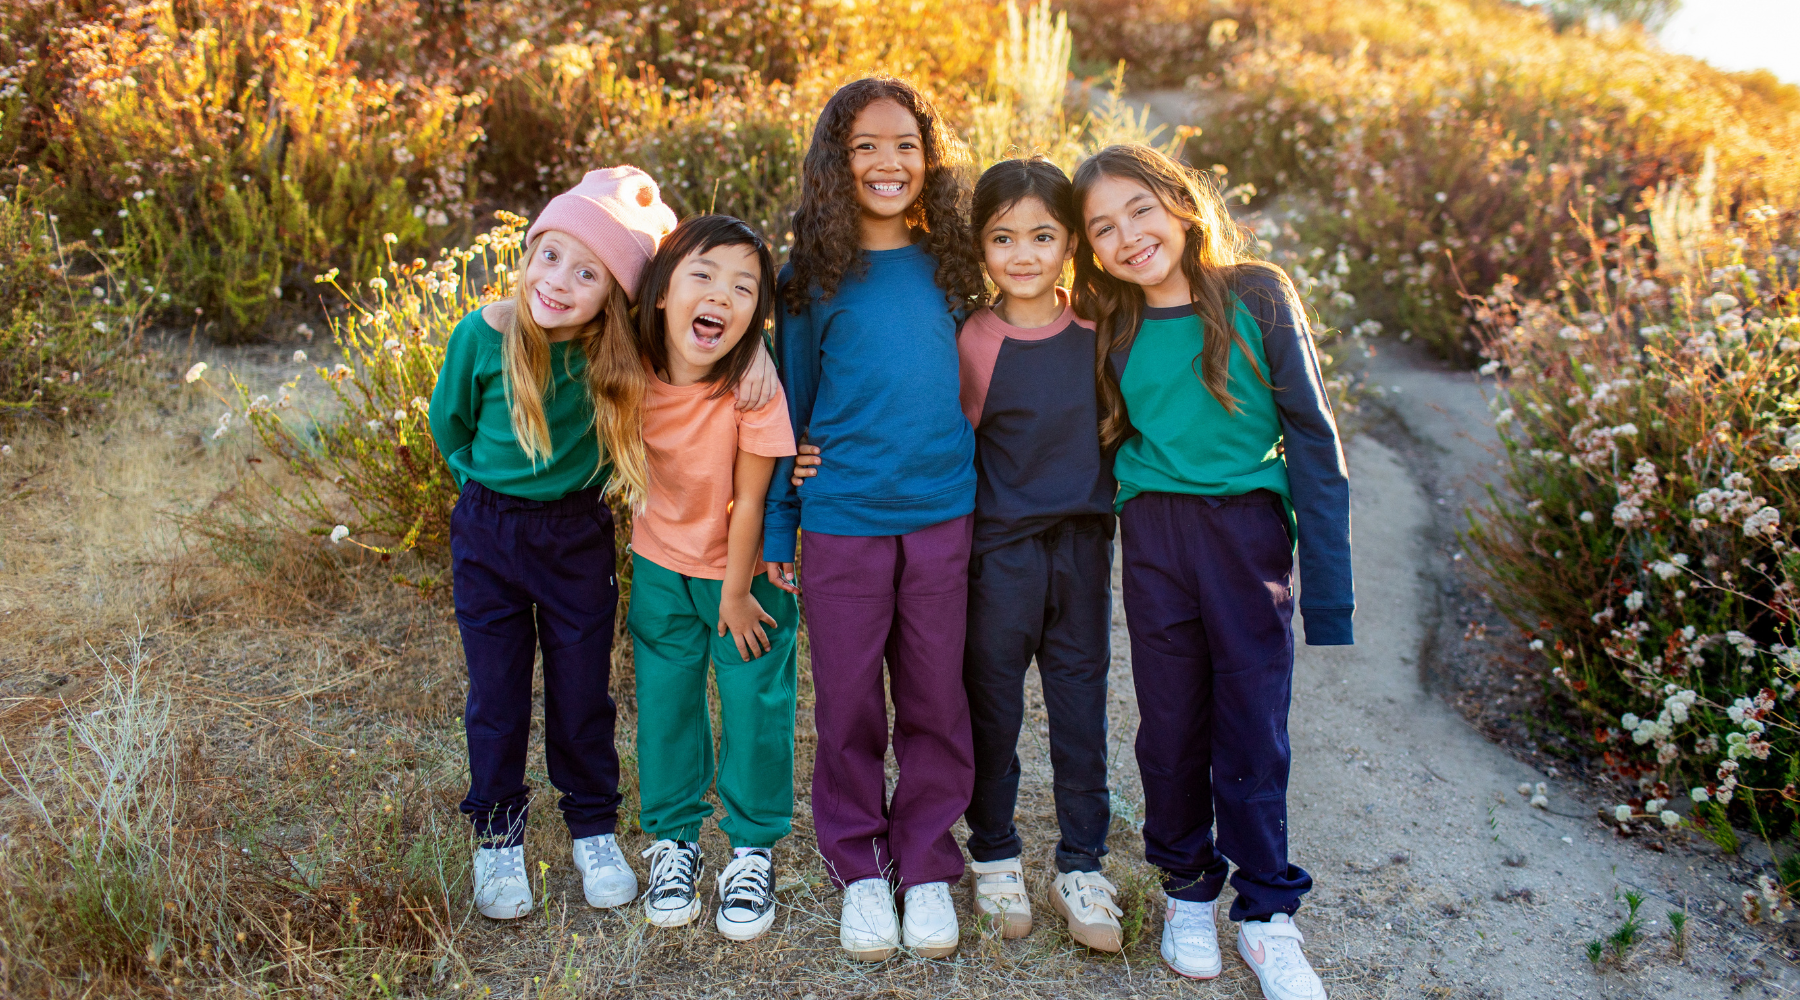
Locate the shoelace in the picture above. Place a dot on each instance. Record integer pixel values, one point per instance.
(1095, 891)
(671, 868)
(1191, 928)
(506, 864)
(746, 882)
(929, 902)
(862, 897)
(1285, 954)
(604, 855)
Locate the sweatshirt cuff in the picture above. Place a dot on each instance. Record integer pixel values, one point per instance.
(779, 544)
(1329, 626)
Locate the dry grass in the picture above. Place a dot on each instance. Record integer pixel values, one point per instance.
(292, 828)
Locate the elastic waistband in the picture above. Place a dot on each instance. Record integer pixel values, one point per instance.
(581, 503)
(1254, 498)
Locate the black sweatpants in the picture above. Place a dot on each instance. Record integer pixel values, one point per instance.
(531, 575)
(1049, 597)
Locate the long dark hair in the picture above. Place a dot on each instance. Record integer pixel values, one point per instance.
(698, 234)
(1009, 182)
(1218, 251)
(827, 237)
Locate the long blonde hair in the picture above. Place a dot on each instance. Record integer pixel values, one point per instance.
(615, 384)
(1218, 251)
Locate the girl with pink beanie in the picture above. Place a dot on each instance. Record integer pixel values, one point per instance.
(536, 412)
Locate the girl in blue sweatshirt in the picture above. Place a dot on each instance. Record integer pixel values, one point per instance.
(1226, 449)
(881, 273)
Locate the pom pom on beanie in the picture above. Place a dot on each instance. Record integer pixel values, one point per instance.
(618, 214)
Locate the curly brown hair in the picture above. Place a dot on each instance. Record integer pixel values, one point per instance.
(827, 237)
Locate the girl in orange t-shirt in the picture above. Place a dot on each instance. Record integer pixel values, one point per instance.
(699, 589)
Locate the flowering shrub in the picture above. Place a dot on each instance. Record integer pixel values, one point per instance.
(70, 317)
(1441, 143)
(372, 469)
(246, 144)
(1651, 424)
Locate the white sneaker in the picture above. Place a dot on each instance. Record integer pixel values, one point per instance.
(930, 926)
(747, 896)
(502, 891)
(1190, 941)
(1272, 949)
(1000, 895)
(673, 898)
(605, 877)
(1085, 899)
(869, 930)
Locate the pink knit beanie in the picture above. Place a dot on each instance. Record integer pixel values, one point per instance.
(618, 214)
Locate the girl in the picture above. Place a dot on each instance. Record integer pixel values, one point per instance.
(1040, 577)
(697, 591)
(881, 271)
(533, 396)
(1226, 445)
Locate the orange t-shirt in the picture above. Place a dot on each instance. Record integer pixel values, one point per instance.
(692, 443)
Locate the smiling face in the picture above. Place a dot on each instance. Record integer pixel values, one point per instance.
(1025, 249)
(707, 308)
(566, 285)
(1137, 239)
(887, 160)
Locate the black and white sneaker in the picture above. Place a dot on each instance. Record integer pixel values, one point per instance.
(674, 895)
(747, 896)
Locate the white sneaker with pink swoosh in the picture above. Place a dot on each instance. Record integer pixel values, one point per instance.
(1190, 939)
(1272, 950)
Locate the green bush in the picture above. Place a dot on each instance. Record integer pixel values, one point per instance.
(1644, 539)
(70, 317)
(253, 145)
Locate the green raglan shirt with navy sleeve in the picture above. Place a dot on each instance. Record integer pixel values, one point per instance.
(472, 423)
(1283, 438)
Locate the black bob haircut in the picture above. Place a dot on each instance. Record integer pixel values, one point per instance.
(1009, 182)
(699, 234)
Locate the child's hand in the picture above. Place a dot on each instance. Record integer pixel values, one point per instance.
(781, 575)
(759, 384)
(745, 618)
(805, 463)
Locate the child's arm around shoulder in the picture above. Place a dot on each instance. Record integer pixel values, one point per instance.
(1318, 477)
(456, 398)
(797, 353)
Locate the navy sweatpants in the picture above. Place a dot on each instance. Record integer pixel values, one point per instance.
(1209, 603)
(1048, 596)
(527, 576)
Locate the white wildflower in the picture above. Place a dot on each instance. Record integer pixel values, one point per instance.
(1634, 600)
(299, 357)
(339, 533)
(1622, 813)
(1699, 794)
(1670, 818)
(194, 373)
(1587, 517)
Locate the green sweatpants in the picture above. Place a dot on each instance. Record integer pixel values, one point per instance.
(674, 622)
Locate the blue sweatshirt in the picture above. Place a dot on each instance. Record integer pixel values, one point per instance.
(1285, 440)
(871, 378)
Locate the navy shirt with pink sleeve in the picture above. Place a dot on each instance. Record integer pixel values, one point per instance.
(1031, 398)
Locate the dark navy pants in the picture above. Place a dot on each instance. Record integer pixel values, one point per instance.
(534, 576)
(1209, 603)
(1049, 597)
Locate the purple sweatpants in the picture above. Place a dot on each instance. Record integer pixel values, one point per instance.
(905, 598)
(1209, 602)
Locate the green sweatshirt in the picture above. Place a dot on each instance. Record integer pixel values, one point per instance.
(473, 425)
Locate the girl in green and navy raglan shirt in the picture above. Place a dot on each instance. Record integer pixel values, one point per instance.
(1227, 453)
